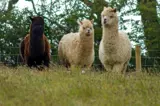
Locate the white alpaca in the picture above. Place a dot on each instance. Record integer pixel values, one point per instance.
(78, 48)
(115, 46)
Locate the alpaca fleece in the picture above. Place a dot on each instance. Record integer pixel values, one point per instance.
(115, 46)
(78, 48)
(35, 48)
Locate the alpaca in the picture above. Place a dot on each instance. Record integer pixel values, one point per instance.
(35, 48)
(115, 46)
(78, 48)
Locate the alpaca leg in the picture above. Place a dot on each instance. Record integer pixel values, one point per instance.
(30, 62)
(39, 60)
(108, 67)
(66, 64)
(46, 60)
(39, 64)
(87, 67)
(125, 67)
(118, 68)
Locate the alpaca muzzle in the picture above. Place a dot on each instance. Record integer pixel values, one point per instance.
(105, 21)
(88, 32)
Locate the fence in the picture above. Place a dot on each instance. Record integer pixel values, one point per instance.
(138, 61)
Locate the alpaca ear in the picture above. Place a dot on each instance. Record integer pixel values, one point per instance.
(114, 10)
(92, 21)
(104, 7)
(80, 22)
(31, 18)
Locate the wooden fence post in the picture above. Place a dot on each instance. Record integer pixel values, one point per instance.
(138, 58)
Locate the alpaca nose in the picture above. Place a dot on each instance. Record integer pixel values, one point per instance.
(88, 31)
(105, 20)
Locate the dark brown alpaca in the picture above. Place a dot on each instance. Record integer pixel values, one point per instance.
(35, 48)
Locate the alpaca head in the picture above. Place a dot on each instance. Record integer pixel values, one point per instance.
(109, 17)
(37, 26)
(86, 28)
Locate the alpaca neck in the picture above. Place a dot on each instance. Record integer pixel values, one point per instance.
(36, 44)
(86, 44)
(110, 33)
(36, 40)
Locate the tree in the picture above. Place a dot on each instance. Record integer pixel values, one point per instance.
(151, 26)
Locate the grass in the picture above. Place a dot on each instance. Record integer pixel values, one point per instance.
(58, 87)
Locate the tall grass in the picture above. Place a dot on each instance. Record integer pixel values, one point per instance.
(58, 87)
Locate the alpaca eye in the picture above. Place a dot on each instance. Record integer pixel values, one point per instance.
(84, 28)
(111, 16)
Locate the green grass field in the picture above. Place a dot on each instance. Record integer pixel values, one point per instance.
(58, 87)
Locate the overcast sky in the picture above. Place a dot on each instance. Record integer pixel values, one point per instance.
(22, 4)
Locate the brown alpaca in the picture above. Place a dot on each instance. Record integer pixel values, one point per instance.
(35, 48)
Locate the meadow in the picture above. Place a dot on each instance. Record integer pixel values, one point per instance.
(22, 86)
